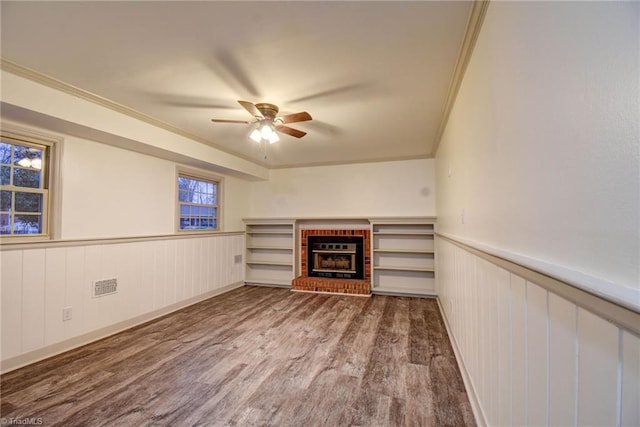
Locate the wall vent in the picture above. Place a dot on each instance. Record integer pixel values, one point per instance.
(104, 287)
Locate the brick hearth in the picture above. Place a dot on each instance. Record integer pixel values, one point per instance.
(341, 286)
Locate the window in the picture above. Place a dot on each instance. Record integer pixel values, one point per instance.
(24, 187)
(198, 202)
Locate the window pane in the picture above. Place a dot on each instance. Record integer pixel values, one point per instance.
(5, 153)
(5, 201)
(184, 223)
(26, 178)
(200, 194)
(5, 224)
(5, 175)
(184, 183)
(27, 157)
(183, 196)
(206, 199)
(28, 202)
(27, 224)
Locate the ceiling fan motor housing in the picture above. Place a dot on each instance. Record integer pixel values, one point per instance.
(268, 111)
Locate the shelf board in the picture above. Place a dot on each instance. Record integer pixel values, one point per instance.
(406, 251)
(280, 233)
(401, 290)
(403, 233)
(275, 248)
(270, 282)
(284, 264)
(422, 269)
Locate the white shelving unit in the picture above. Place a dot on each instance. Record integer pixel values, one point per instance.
(269, 252)
(403, 256)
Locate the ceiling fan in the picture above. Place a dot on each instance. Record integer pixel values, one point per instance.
(265, 115)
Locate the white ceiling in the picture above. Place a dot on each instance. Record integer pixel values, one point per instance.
(374, 75)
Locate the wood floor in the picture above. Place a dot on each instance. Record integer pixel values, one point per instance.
(256, 356)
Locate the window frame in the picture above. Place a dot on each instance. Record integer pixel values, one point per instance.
(201, 175)
(52, 147)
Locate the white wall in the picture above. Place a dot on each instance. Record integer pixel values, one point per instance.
(111, 192)
(541, 151)
(399, 188)
(539, 164)
(533, 357)
(153, 276)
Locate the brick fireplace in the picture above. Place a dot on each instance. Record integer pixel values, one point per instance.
(336, 271)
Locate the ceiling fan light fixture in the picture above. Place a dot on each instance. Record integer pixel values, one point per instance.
(267, 124)
(266, 131)
(256, 135)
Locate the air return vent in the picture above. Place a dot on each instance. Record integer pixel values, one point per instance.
(104, 287)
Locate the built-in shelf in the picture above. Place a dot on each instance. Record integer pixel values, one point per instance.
(281, 283)
(405, 251)
(251, 262)
(270, 252)
(404, 233)
(389, 267)
(269, 248)
(283, 233)
(403, 256)
(402, 290)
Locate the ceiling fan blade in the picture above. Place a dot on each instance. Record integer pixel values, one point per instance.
(359, 88)
(291, 131)
(230, 121)
(228, 66)
(296, 117)
(251, 108)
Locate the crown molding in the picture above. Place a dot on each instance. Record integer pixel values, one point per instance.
(352, 162)
(474, 25)
(35, 76)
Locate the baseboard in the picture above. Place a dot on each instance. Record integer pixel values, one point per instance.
(481, 420)
(25, 359)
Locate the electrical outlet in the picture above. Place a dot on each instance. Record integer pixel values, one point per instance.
(67, 313)
(237, 259)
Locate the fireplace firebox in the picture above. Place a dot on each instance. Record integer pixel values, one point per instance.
(336, 256)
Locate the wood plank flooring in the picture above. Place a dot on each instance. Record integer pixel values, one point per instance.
(256, 356)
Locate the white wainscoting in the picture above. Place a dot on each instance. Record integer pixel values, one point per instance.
(531, 356)
(155, 276)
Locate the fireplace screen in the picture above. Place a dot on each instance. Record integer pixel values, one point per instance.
(335, 256)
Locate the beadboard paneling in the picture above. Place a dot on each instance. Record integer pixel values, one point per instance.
(37, 283)
(556, 363)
